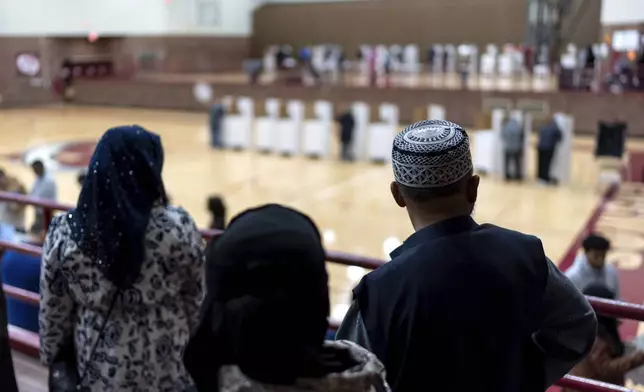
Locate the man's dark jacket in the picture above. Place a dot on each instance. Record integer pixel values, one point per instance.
(468, 307)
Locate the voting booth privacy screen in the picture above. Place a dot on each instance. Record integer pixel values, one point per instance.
(611, 139)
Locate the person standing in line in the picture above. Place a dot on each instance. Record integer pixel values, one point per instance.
(44, 188)
(347, 125)
(590, 266)
(512, 135)
(549, 138)
(486, 299)
(122, 275)
(217, 114)
(608, 361)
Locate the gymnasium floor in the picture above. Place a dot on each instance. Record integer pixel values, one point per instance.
(350, 202)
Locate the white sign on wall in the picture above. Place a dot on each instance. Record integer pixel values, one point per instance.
(625, 40)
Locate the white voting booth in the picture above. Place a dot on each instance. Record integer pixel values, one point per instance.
(361, 114)
(238, 123)
(487, 146)
(270, 61)
(488, 68)
(505, 71)
(266, 126)
(560, 168)
(541, 77)
(287, 140)
(436, 112)
(317, 131)
(381, 134)
(411, 59)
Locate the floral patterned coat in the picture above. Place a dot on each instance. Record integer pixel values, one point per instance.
(367, 376)
(150, 325)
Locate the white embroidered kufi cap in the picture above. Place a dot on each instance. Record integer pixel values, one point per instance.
(431, 154)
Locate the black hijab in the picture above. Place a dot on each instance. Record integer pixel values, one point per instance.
(122, 184)
(267, 301)
(608, 327)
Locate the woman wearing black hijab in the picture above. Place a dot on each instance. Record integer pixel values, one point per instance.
(607, 361)
(122, 274)
(264, 318)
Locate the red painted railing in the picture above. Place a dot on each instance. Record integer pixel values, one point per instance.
(28, 342)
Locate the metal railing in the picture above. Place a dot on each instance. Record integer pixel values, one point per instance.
(30, 344)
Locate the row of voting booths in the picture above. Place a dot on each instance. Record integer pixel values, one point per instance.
(294, 127)
(488, 146)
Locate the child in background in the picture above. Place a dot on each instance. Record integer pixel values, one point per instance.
(217, 210)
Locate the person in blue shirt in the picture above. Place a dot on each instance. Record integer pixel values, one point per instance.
(21, 271)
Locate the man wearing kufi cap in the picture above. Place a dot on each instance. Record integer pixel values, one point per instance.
(463, 306)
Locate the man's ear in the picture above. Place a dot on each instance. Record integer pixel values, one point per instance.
(397, 194)
(472, 190)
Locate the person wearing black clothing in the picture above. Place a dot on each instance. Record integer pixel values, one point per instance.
(7, 373)
(217, 210)
(265, 315)
(347, 125)
(461, 297)
(549, 138)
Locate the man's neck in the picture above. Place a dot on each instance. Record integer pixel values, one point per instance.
(420, 221)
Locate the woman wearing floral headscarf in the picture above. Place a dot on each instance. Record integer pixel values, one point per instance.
(122, 274)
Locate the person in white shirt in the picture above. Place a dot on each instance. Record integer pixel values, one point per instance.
(44, 188)
(590, 267)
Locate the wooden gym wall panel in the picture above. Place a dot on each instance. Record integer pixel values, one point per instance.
(585, 29)
(389, 22)
(191, 54)
(462, 106)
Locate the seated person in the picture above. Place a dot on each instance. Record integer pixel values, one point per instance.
(264, 318)
(590, 267)
(607, 361)
(217, 210)
(12, 214)
(21, 271)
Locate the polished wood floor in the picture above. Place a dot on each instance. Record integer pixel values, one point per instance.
(350, 202)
